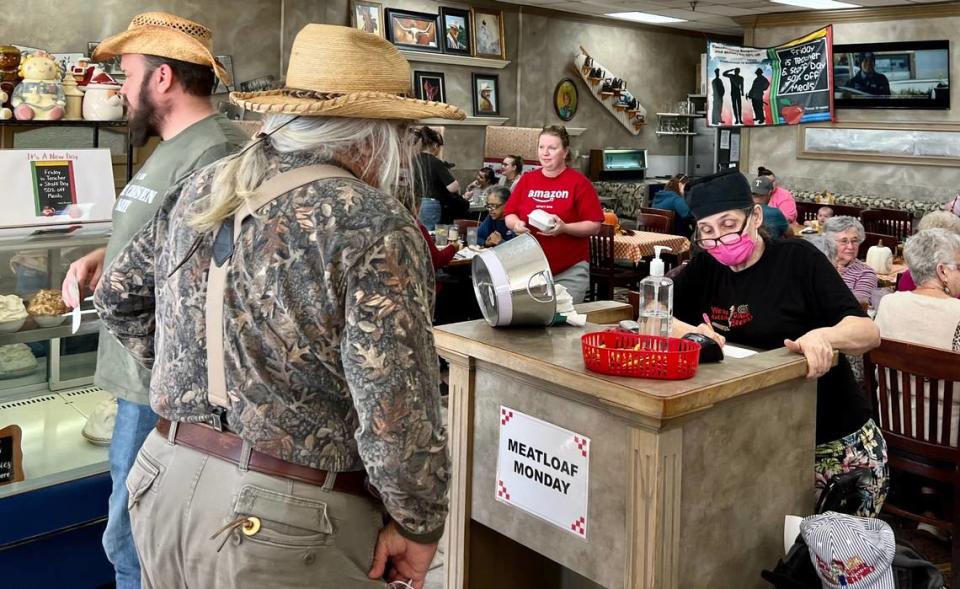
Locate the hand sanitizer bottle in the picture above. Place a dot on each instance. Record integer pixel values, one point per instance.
(656, 300)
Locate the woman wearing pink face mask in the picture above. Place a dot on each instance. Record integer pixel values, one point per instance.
(767, 294)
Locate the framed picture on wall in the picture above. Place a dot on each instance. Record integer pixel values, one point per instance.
(367, 16)
(488, 38)
(565, 99)
(430, 86)
(486, 95)
(455, 25)
(413, 30)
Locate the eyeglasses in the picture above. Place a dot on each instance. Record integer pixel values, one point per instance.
(845, 242)
(491, 207)
(709, 243)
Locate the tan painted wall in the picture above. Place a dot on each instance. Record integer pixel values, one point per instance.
(776, 147)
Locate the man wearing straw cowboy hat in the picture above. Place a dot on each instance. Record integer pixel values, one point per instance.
(283, 300)
(170, 72)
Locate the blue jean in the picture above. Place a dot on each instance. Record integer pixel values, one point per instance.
(430, 213)
(134, 422)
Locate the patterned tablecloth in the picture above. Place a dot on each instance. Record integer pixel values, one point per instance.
(640, 245)
(890, 279)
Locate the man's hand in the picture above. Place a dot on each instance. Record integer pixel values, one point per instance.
(86, 272)
(398, 559)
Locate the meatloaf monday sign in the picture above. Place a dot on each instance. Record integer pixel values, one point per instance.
(783, 85)
(543, 470)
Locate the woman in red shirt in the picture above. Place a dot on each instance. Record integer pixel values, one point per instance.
(572, 202)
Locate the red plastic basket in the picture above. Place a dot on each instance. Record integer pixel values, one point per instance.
(623, 353)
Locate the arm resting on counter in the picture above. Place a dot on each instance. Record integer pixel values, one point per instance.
(853, 335)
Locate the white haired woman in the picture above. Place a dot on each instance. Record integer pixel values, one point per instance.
(283, 300)
(848, 234)
(935, 220)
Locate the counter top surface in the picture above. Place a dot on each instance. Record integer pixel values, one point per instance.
(554, 355)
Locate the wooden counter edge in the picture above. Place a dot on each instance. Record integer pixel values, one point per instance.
(615, 394)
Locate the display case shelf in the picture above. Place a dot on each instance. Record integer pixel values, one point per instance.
(31, 332)
(54, 237)
(444, 58)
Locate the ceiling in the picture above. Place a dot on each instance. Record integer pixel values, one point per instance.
(711, 16)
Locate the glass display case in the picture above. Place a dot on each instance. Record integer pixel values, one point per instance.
(46, 368)
(618, 164)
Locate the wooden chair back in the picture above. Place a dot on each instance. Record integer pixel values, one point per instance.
(462, 225)
(653, 223)
(888, 222)
(601, 249)
(672, 215)
(844, 210)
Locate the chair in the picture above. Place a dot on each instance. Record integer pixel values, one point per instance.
(604, 272)
(917, 433)
(872, 239)
(845, 210)
(672, 215)
(888, 221)
(807, 211)
(653, 223)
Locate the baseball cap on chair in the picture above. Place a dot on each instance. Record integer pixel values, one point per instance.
(851, 552)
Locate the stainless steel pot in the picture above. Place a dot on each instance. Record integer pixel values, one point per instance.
(513, 283)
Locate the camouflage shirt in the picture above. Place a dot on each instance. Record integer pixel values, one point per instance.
(329, 353)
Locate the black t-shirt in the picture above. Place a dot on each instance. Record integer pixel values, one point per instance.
(791, 290)
(432, 178)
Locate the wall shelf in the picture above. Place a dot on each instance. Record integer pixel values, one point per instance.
(467, 122)
(446, 58)
(674, 114)
(676, 134)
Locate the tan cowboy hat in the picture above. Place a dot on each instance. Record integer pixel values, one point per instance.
(339, 71)
(165, 35)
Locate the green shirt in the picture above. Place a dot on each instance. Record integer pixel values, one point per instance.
(200, 144)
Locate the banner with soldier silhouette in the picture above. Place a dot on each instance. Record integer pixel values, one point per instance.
(783, 85)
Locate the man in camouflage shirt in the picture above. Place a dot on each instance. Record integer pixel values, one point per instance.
(329, 361)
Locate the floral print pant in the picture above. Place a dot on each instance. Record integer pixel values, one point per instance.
(864, 448)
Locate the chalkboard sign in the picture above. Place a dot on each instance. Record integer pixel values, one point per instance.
(11, 455)
(54, 188)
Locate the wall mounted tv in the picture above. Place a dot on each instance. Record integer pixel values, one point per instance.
(907, 74)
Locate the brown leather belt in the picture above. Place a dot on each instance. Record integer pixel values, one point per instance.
(229, 447)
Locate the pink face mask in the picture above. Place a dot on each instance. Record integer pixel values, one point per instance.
(737, 253)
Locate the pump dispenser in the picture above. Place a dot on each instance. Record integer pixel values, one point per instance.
(656, 299)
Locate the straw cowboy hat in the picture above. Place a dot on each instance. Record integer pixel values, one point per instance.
(165, 35)
(338, 71)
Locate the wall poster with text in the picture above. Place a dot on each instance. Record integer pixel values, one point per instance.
(788, 84)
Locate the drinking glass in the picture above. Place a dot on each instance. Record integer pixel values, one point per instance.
(471, 236)
(440, 235)
(453, 233)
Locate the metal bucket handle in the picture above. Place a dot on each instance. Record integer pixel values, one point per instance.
(551, 294)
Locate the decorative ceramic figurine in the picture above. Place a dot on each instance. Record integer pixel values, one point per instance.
(74, 98)
(9, 76)
(102, 100)
(39, 96)
(5, 113)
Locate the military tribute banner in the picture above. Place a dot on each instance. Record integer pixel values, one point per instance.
(783, 85)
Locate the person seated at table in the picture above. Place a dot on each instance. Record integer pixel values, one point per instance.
(824, 213)
(766, 293)
(935, 220)
(439, 257)
(511, 171)
(780, 197)
(848, 234)
(486, 178)
(773, 220)
(574, 208)
(671, 199)
(493, 231)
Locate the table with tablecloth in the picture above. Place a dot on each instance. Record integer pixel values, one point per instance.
(640, 245)
(890, 278)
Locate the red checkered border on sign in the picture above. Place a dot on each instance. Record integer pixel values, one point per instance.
(582, 444)
(502, 491)
(580, 526)
(505, 416)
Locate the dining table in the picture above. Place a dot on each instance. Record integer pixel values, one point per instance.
(637, 245)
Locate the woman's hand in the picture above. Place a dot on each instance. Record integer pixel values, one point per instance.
(557, 229)
(816, 348)
(494, 239)
(708, 331)
(520, 227)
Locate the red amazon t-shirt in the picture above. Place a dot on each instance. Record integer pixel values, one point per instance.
(571, 197)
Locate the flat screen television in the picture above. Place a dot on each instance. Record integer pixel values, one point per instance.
(905, 74)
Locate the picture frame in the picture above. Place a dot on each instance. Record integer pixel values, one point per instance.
(486, 95)
(418, 31)
(430, 86)
(367, 17)
(111, 66)
(566, 99)
(488, 40)
(457, 30)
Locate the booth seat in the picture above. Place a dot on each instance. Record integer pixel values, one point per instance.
(624, 198)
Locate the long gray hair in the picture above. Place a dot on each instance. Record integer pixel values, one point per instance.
(378, 151)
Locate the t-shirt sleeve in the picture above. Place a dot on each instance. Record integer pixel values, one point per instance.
(830, 294)
(687, 287)
(788, 207)
(516, 197)
(588, 203)
(444, 175)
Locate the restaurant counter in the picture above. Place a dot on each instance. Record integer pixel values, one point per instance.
(686, 483)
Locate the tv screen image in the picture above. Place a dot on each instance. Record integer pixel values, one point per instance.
(909, 74)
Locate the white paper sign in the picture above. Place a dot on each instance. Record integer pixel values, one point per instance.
(56, 186)
(724, 138)
(543, 470)
(735, 148)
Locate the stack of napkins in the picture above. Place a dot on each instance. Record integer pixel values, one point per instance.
(565, 308)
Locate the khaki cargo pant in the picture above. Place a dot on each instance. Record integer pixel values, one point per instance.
(309, 536)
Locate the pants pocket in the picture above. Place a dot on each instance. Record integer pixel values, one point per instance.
(285, 520)
(142, 478)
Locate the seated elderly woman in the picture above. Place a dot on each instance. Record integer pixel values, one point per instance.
(936, 220)
(493, 231)
(848, 234)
